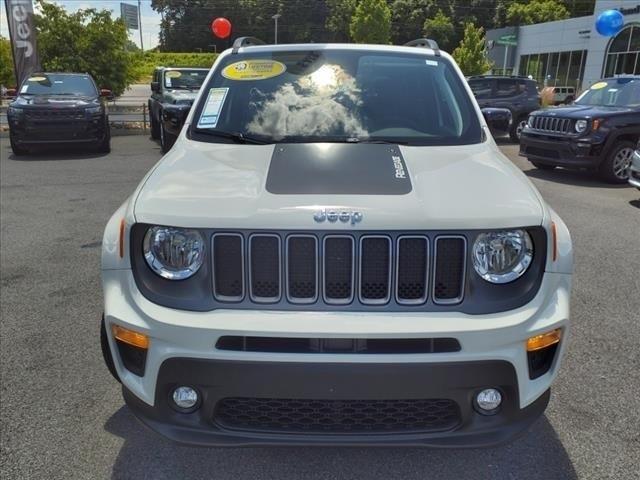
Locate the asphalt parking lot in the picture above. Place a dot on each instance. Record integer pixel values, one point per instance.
(62, 415)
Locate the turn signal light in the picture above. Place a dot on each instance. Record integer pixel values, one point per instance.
(130, 337)
(543, 341)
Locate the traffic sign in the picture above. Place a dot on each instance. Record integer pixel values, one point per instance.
(129, 14)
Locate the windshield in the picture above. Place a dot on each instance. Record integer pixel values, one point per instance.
(615, 92)
(338, 96)
(184, 79)
(59, 84)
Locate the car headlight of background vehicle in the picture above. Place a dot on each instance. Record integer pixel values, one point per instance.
(581, 126)
(530, 121)
(15, 111)
(502, 257)
(173, 253)
(93, 110)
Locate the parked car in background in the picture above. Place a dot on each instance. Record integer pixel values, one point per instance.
(172, 93)
(634, 169)
(598, 132)
(517, 94)
(563, 95)
(59, 108)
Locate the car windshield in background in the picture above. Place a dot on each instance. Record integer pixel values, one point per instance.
(59, 84)
(337, 96)
(184, 79)
(616, 92)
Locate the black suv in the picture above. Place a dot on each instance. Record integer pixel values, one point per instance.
(173, 91)
(59, 108)
(598, 132)
(519, 95)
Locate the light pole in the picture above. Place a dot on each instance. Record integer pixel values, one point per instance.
(276, 17)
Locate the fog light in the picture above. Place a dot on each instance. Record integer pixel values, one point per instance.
(488, 401)
(185, 398)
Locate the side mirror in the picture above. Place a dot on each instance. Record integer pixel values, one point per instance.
(155, 87)
(498, 119)
(106, 93)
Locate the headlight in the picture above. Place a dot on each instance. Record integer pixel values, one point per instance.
(93, 110)
(502, 257)
(530, 121)
(15, 111)
(581, 126)
(173, 253)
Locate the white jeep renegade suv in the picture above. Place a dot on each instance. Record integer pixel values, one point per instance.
(336, 252)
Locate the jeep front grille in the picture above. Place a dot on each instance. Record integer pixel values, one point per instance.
(339, 269)
(552, 124)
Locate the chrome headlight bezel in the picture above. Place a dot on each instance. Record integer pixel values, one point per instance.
(581, 126)
(93, 110)
(530, 121)
(486, 248)
(186, 247)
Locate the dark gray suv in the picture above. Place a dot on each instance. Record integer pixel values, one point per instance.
(517, 94)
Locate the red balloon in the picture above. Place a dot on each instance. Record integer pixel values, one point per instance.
(221, 27)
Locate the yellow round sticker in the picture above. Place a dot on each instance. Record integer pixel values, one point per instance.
(173, 74)
(599, 85)
(254, 70)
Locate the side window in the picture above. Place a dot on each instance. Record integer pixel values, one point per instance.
(506, 88)
(481, 88)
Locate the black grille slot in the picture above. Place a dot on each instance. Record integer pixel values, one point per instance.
(337, 416)
(338, 269)
(411, 282)
(337, 345)
(265, 268)
(450, 269)
(302, 275)
(375, 269)
(228, 267)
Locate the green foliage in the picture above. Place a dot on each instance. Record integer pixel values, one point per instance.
(471, 54)
(371, 22)
(408, 17)
(536, 11)
(7, 78)
(440, 29)
(339, 18)
(85, 41)
(144, 63)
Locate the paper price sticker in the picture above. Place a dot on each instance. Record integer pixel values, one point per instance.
(254, 70)
(212, 108)
(173, 74)
(598, 86)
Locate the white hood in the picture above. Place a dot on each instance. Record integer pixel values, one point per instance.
(209, 185)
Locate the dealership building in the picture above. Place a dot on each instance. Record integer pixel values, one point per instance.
(569, 52)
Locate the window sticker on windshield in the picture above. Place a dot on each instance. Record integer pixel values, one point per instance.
(431, 63)
(173, 74)
(212, 108)
(598, 86)
(37, 79)
(254, 70)
(24, 89)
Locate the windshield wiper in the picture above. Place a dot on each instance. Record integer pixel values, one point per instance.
(236, 136)
(382, 140)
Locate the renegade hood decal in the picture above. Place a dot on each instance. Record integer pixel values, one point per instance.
(338, 169)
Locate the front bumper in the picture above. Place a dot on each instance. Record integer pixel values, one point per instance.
(563, 151)
(182, 352)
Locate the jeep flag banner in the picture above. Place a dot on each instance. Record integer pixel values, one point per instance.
(22, 34)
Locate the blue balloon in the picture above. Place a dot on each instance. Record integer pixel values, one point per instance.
(609, 23)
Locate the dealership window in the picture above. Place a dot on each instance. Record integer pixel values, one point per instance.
(623, 53)
(555, 68)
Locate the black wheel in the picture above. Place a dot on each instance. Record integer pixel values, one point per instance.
(615, 168)
(542, 166)
(155, 130)
(17, 149)
(105, 145)
(106, 351)
(166, 139)
(516, 129)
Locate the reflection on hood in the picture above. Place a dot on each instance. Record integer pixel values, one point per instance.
(320, 104)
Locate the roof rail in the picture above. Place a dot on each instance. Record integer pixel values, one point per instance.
(424, 43)
(245, 42)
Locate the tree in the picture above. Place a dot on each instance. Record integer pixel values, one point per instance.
(536, 11)
(471, 54)
(408, 17)
(339, 18)
(85, 41)
(371, 22)
(7, 78)
(440, 29)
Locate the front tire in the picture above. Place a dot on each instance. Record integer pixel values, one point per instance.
(17, 149)
(516, 129)
(105, 145)
(615, 168)
(155, 131)
(166, 139)
(542, 166)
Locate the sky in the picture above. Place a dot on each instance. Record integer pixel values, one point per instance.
(150, 18)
